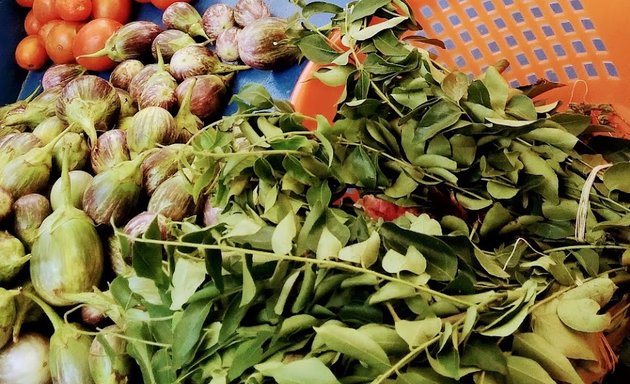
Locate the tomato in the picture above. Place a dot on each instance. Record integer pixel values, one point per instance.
(44, 10)
(59, 42)
(45, 29)
(30, 53)
(163, 4)
(143, 1)
(25, 3)
(91, 38)
(73, 10)
(31, 24)
(376, 208)
(119, 10)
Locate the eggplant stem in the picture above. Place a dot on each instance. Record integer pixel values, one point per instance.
(197, 30)
(54, 318)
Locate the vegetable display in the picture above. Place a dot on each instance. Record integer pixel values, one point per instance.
(442, 228)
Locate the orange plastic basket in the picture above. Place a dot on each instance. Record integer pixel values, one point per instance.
(584, 44)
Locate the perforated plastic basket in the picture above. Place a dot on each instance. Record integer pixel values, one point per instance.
(582, 43)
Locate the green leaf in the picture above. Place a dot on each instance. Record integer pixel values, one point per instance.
(439, 117)
(536, 165)
(441, 259)
(288, 285)
(283, 235)
(589, 260)
(247, 355)
(403, 186)
(188, 330)
(390, 291)
(316, 49)
(521, 107)
(334, 76)
(319, 194)
(426, 225)
(497, 87)
(372, 30)
(416, 333)
(364, 8)
(535, 347)
(412, 94)
(359, 169)
(388, 44)
(162, 367)
(455, 85)
(355, 344)
(490, 265)
(556, 137)
(469, 322)
(328, 246)
(249, 285)
(252, 96)
(565, 211)
(485, 354)
(478, 94)
(465, 149)
(423, 376)
(617, 177)
(386, 337)
(187, 277)
(435, 161)
(316, 7)
(495, 219)
(511, 319)
(575, 123)
(471, 203)
(413, 261)
(364, 253)
(140, 351)
(232, 318)
(310, 370)
(446, 363)
(510, 123)
(522, 370)
(582, 315)
(147, 257)
(501, 191)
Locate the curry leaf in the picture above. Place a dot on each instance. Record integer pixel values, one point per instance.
(354, 344)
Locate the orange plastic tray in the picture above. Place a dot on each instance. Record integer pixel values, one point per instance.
(584, 44)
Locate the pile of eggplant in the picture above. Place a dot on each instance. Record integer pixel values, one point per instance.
(87, 154)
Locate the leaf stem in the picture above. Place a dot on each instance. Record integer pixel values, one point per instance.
(299, 259)
(405, 360)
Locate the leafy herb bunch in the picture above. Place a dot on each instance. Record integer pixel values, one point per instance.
(503, 266)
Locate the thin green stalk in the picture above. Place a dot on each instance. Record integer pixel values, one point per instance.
(585, 246)
(322, 263)
(270, 152)
(405, 360)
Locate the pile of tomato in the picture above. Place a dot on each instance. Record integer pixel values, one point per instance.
(62, 30)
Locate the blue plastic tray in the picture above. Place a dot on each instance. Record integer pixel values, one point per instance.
(279, 83)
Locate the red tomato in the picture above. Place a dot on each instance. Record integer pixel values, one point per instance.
(30, 53)
(45, 29)
(163, 4)
(31, 24)
(59, 42)
(25, 3)
(44, 10)
(73, 10)
(91, 38)
(376, 208)
(119, 10)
